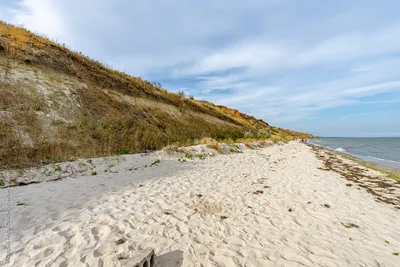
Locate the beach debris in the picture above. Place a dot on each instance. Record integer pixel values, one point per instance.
(327, 206)
(350, 225)
(168, 212)
(56, 179)
(19, 203)
(267, 186)
(94, 173)
(145, 257)
(395, 254)
(199, 195)
(351, 239)
(155, 162)
(223, 217)
(120, 241)
(349, 185)
(257, 192)
(387, 242)
(140, 185)
(25, 183)
(290, 209)
(309, 202)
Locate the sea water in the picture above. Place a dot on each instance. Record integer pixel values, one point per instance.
(385, 151)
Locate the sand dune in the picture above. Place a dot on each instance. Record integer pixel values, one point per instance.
(274, 206)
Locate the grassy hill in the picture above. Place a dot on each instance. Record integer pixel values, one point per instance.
(57, 104)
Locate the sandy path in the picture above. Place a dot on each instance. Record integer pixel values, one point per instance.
(206, 213)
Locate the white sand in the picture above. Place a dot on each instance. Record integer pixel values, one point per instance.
(179, 212)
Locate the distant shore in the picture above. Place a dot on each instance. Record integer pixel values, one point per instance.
(227, 205)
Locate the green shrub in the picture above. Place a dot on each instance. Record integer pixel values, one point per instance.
(248, 135)
(264, 133)
(201, 156)
(124, 151)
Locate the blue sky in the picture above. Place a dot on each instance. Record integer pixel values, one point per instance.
(331, 68)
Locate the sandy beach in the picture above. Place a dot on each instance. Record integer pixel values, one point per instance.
(282, 205)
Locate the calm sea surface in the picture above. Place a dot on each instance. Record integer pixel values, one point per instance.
(385, 151)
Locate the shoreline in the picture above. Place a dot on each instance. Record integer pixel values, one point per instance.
(391, 172)
(278, 205)
(386, 164)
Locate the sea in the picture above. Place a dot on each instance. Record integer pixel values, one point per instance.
(384, 151)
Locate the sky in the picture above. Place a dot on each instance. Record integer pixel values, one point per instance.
(330, 68)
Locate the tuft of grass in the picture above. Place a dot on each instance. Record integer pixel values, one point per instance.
(248, 145)
(188, 155)
(201, 156)
(19, 203)
(2, 182)
(235, 150)
(170, 149)
(124, 152)
(181, 94)
(260, 134)
(392, 176)
(216, 147)
(395, 254)
(155, 162)
(94, 173)
(57, 168)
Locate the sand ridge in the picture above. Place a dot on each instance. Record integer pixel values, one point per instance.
(274, 206)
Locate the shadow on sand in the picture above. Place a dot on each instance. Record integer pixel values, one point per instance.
(170, 259)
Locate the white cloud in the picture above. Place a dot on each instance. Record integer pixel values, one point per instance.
(246, 55)
(351, 46)
(41, 16)
(371, 89)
